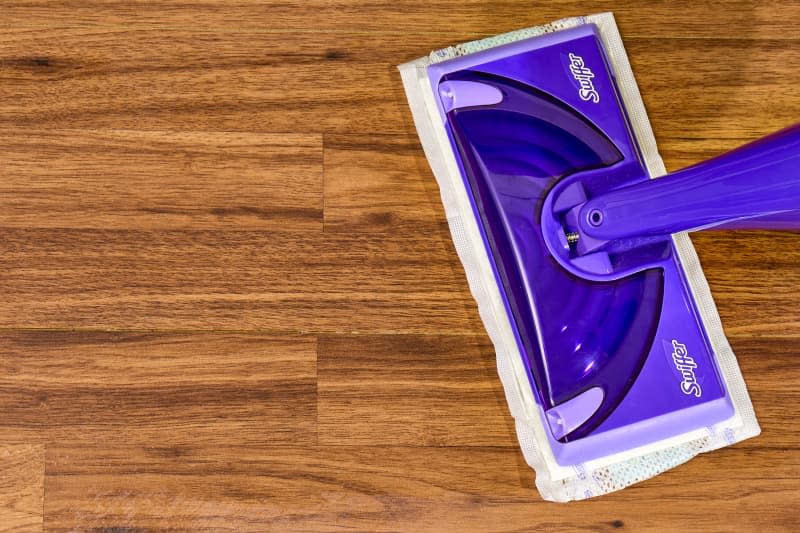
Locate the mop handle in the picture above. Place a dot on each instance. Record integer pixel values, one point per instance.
(756, 186)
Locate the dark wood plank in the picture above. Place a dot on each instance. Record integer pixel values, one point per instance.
(713, 89)
(163, 391)
(423, 488)
(21, 487)
(103, 78)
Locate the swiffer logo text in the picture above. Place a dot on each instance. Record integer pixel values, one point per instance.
(685, 365)
(583, 75)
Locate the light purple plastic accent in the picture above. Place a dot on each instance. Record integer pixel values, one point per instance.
(568, 416)
(455, 94)
(575, 334)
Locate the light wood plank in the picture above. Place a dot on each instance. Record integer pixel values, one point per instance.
(21, 487)
(115, 179)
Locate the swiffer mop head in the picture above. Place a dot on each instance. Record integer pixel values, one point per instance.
(613, 376)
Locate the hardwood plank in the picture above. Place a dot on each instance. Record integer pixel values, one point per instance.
(255, 489)
(21, 487)
(177, 79)
(380, 183)
(717, 93)
(753, 278)
(467, 18)
(161, 180)
(163, 391)
(766, 364)
(103, 78)
(22, 404)
(232, 280)
(304, 488)
(411, 390)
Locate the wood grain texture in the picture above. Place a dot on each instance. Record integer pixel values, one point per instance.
(21, 487)
(378, 488)
(232, 280)
(230, 301)
(202, 79)
(113, 179)
(380, 184)
(410, 390)
(163, 390)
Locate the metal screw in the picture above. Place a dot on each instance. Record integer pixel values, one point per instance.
(572, 237)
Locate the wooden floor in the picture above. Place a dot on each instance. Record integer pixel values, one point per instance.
(229, 300)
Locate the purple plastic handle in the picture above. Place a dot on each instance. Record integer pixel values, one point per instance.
(756, 186)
